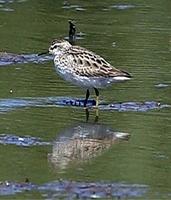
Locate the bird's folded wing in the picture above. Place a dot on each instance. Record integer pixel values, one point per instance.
(91, 65)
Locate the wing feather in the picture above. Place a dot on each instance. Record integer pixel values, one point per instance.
(88, 64)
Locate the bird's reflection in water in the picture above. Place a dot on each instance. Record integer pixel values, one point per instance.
(96, 115)
(83, 142)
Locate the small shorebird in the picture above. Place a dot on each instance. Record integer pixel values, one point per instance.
(84, 68)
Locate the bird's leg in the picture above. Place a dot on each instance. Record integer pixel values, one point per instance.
(97, 115)
(97, 97)
(97, 104)
(87, 96)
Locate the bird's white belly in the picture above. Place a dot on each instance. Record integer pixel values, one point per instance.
(83, 81)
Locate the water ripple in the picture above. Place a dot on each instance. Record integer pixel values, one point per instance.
(4, 5)
(122, 6)
(161, 85)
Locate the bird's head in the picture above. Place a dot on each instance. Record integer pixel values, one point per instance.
(58, 46)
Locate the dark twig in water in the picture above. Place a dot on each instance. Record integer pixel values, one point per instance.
(72, 36)
(27, 180)
(72, 32)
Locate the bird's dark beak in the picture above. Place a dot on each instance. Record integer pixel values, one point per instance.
(43, 53)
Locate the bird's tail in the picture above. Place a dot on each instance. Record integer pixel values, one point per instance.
(126, 74)
(122, 76)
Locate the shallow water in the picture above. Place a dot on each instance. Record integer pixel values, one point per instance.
(37, 107)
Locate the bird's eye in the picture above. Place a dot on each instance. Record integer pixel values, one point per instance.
(53, 47)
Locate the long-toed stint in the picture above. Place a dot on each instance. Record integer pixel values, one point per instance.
(84, 68)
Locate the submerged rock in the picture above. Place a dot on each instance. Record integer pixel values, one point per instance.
(12, 188)
(97, 190)
(7, 105)
(11, 58)
(136, 106)
(24, 141)
(76, 190)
